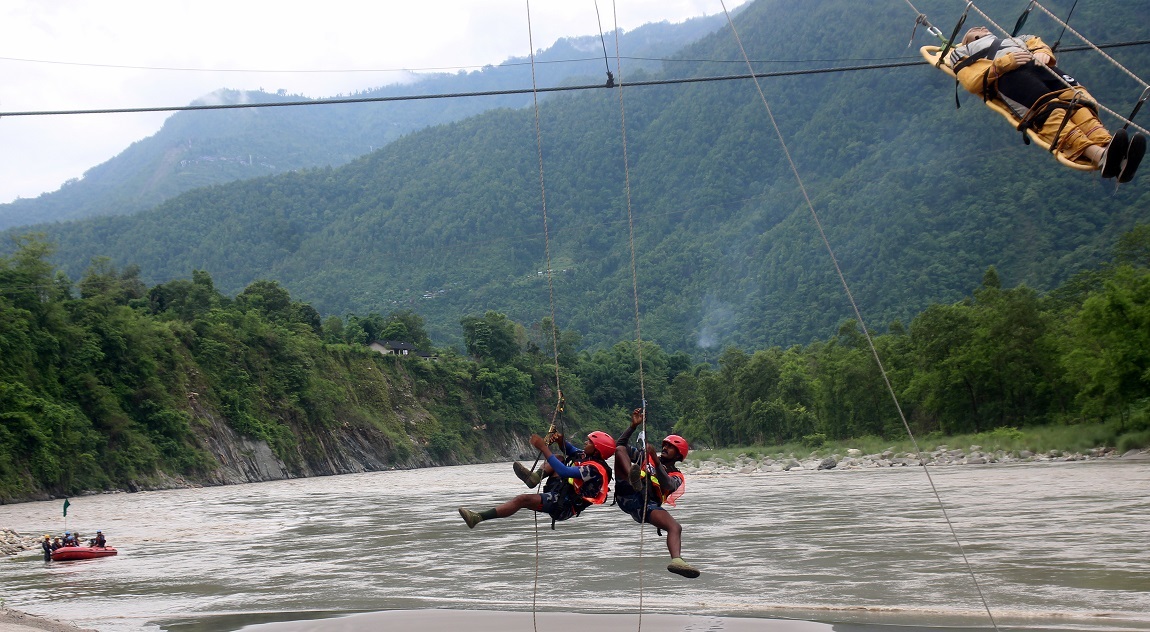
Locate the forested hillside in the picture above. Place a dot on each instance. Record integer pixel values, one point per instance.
(110, 384)
(196, 149)
(917, 199)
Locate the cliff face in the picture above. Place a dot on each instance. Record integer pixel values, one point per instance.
(347, 448)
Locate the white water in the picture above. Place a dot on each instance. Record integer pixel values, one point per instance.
(1054, 546)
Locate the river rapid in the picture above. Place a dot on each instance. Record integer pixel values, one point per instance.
(1053, 546)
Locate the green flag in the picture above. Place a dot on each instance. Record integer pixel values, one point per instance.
(66, 503)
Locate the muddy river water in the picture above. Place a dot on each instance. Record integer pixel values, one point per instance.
(1053, 546)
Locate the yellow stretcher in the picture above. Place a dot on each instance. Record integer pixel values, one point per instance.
(930, 53)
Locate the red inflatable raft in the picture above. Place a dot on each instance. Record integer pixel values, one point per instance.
(66, 553)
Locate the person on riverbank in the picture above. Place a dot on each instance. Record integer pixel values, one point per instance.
(46, 545)
(572, 486)
(648, 479)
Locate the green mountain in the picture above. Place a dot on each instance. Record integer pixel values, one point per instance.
(196, 149)
(916, 199)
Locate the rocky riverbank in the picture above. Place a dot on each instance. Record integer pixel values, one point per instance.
(855, 460)
(12, 543)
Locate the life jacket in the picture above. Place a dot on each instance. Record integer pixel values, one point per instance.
(573, 487)
(577, 483)
(661, 497)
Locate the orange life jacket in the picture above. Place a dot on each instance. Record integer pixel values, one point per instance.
(649, 469)
(577, 483)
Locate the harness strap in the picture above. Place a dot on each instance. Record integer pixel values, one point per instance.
(1137, 106)
(1022, 19)
(953, 34)
(1045, 105)
(988, 52)
(1065, 25)
(1071, 108)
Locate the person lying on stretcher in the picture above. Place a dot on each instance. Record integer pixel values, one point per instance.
(1022, 73)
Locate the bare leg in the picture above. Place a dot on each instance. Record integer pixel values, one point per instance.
(663, 520)
(660, 518)
(522, 501)
(1095, 153)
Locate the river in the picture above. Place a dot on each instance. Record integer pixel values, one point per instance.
(1053, 546)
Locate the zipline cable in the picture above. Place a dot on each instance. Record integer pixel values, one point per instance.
(513, 91)
(858, 313)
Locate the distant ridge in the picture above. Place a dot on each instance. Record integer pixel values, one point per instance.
(206, 148)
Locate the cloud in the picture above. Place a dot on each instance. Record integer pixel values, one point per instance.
(125, 54)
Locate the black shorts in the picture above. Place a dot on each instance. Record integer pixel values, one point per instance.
(632, 504)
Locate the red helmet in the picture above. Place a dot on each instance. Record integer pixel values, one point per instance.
(680, 444)
(603, 443)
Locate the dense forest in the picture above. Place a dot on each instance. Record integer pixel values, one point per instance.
(916, 198)
(109, 383)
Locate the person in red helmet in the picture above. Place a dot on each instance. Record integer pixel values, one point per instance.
(572, 486)
(648, 479)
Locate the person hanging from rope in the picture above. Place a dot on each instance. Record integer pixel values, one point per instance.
(572, 486)
(648, 479)
(1021, 72)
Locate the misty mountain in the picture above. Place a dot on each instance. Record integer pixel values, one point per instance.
(915, 197)
(203, 148)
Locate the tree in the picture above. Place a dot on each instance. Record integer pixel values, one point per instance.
(491, 337)
(1110, 359)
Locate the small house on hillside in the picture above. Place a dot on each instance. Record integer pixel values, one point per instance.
(396, 347)
(393, 347)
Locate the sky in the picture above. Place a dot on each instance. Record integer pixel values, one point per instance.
(85, 54)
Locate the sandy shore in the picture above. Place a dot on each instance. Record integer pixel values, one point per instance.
(475, 621)
(16, 621)
(500, 621)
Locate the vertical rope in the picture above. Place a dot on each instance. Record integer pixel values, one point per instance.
(635, 296)
(550, 290)
(543, 196)
(601, 40)
(858, 313)
(535, 585)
